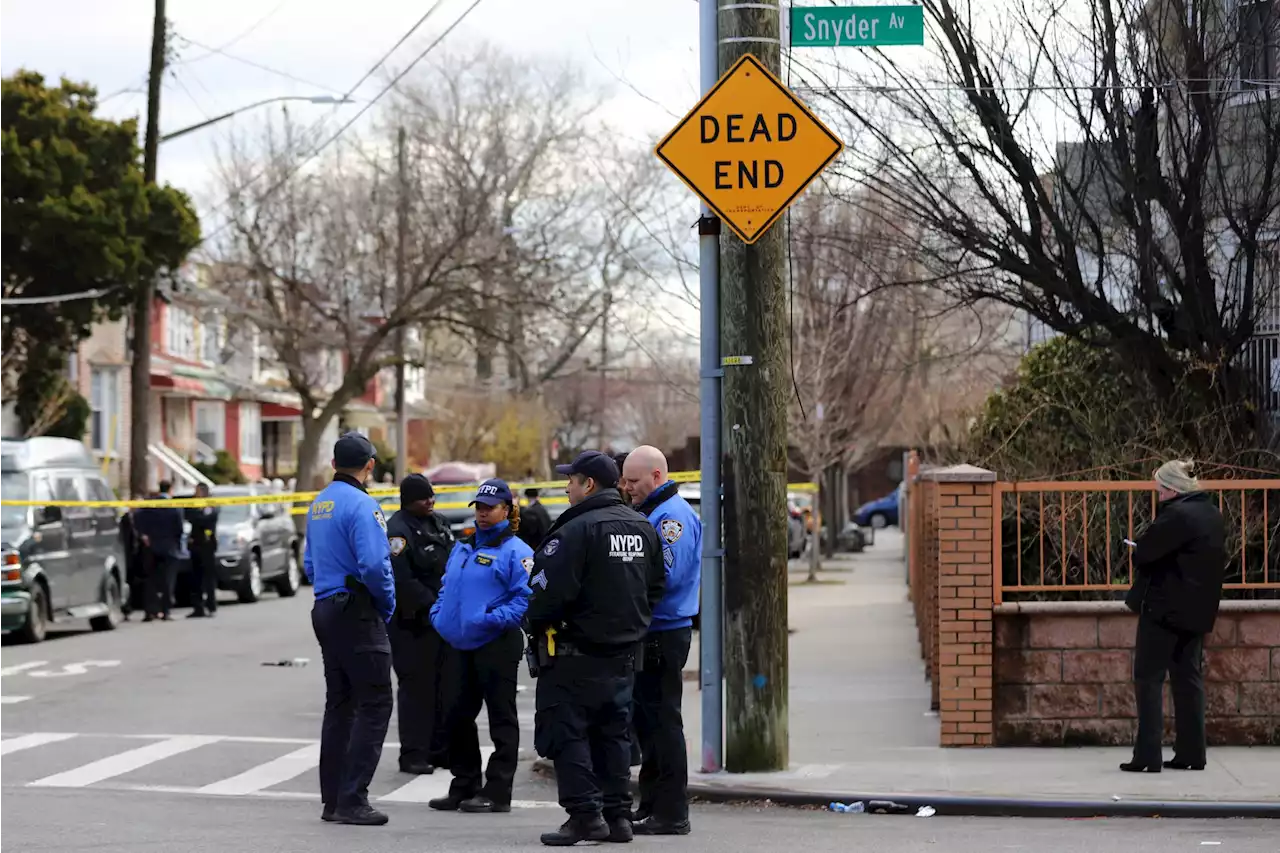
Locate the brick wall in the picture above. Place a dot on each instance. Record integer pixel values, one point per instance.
(1063, 675)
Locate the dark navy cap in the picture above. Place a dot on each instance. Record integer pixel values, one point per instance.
(593, 464)
(353, 450)
(414, 488)
(492, 493)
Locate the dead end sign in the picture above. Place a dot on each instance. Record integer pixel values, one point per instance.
(749, 148)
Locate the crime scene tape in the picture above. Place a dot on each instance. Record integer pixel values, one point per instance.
(379, 492)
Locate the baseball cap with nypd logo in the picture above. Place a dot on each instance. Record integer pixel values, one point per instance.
(492, 493)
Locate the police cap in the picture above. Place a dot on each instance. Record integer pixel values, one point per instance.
(352, 451)
(593, 464)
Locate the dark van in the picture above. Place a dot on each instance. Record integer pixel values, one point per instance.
(60, 563)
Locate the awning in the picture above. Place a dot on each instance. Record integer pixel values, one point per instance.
(184, 385)
(277, 412)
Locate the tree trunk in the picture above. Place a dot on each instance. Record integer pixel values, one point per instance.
(815, 536)
(754, 321)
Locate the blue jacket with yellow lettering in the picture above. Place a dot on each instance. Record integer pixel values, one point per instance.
(486, 588)
(347, 537)
(680, 530)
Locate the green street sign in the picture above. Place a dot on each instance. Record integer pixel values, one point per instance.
(856, 26)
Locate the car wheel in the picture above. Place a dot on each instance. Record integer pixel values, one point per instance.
(115, 608)
(289, 585)
(36, 627)
(879, 521)
(250, 589)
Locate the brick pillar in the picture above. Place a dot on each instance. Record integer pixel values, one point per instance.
(963, 507)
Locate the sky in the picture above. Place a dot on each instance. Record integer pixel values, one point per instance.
(644, 53)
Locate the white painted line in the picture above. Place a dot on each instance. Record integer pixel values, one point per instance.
(20, 667)
(274, 772)
(300, 741)
(420, 789)
(75, 668)
(124, 762)
(17, 744)
(285, 795)
(13, 700)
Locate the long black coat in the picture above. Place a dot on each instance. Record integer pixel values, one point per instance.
(1180, 560)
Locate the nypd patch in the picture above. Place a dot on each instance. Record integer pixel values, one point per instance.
(381, 519)
(539, 580)
(551, 547)
(671, 530)
(397, 545)
(527, 563)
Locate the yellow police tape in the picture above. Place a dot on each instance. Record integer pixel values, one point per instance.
(307, 497)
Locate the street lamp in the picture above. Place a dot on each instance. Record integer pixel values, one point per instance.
(315, 99)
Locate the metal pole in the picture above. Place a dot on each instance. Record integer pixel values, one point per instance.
(402, 225)
(711, 635)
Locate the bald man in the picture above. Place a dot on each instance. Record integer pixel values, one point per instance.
(664, 773)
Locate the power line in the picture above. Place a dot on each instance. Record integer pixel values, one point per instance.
(254, 64)
(53, 300)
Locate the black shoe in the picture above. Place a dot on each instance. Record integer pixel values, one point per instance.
(196, 614)
(365, 815)
(148, 618)
(1135, 767)
(639, 815)
(620, 831)
(482, 805)
(1175, 764)
(329, 815)
(212, 613)
(656, 826)
(577, 829)
(445, 804)
(417, 768)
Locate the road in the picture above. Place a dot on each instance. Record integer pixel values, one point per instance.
(175, 737)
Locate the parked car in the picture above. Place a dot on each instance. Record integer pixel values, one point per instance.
(878, 513)
(59, 562)
(257, 545)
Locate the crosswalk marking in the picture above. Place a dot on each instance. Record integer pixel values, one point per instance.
(13, 700)
(21, 667)
(420, 789)
(124, 762)
(274, 772)
(17, 744)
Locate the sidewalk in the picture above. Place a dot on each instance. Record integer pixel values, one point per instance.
(861, 725)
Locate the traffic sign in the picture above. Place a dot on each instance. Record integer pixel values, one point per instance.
(856, 26)
(749, 148)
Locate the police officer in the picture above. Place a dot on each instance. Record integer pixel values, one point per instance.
(595, 582)
(420, 543)
(664, 773)
(535, 521)
(204, 556)
(348, 561)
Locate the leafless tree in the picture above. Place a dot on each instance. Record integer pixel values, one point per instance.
(1108, 167)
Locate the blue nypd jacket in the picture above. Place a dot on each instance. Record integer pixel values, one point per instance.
(680, 530)
(347, 537)
(486, 588)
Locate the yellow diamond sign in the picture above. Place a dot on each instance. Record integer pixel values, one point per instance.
(749, 148)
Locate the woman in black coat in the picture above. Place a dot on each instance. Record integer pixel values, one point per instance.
(1180, 560)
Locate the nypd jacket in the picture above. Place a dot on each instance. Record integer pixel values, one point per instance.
(486, 588)
(598, 576)
(204, 527)
(347, 538)
(680, 530)
(420, 547)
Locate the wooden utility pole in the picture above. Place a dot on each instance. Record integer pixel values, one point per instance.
(754, 323)
(402, 234)
(140, 371)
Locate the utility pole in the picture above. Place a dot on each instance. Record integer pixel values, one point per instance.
(754, 325)
(140, 370)
(402, 233)
(604, 366)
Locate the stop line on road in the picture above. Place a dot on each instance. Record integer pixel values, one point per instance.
(256, 781)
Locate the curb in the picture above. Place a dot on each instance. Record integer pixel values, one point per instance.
(966, 806)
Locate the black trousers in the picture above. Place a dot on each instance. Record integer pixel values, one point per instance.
(204, 580)
(416, 655)
(664, 773)
(485, 676)
(357, 706)
(160, 572)
(1159, 650)
(583, 725)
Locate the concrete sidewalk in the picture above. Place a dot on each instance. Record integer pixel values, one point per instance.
(861, 724)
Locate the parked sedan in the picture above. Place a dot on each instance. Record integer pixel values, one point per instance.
(257, 545)
(878, 513)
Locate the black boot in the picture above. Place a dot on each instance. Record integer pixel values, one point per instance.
(620, 831)
(655, 826)
(365, 815)
(445, 804)
(483, 805)
(1135, 767)
(417, 768)
(577, 829)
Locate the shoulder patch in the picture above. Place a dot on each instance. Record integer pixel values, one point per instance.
(668, 556)
(397, 545)
(551, 547)
(671, 530)
(381, 519)
(527, 564)
(539, 580)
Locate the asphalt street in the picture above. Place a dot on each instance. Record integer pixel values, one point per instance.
(176, 737)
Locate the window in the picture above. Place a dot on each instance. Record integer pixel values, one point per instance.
(180, 332)
(105, 405)
(250, 433)
(67, 487)
(211, 425)
(98, 490)
(212, 338)
(1259, 43)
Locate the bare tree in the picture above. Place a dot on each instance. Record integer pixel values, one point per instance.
(854, 344)
(1109, 167)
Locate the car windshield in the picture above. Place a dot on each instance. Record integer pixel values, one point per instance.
(15, 487)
